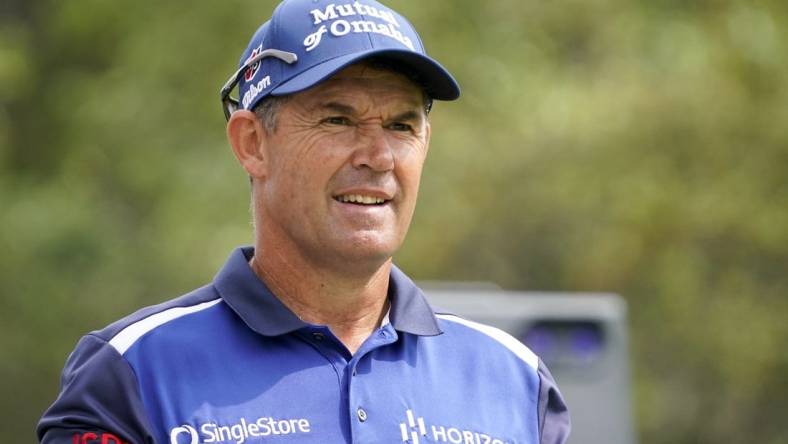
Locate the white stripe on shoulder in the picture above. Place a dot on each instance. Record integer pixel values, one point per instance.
(129, 335)
(507, 340)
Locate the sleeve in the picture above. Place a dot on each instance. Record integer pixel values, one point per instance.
(554, 423)
(99, 400)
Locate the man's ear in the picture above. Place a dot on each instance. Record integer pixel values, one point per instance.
(428, 130)
(247, 137)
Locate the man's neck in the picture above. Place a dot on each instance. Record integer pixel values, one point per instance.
(351, 305)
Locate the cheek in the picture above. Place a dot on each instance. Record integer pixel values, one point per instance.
(321, 150)
(410, 168)
(409, 179)
(303, 164)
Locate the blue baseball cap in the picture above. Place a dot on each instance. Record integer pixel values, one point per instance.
(307, 41)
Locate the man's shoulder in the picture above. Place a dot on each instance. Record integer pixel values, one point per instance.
(476, 336)
(122, 333)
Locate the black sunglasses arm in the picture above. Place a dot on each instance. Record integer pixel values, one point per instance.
(230, 104)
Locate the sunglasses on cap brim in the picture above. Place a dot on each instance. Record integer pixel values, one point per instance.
(231, 104)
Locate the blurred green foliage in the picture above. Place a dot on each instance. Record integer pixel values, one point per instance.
(634, 147)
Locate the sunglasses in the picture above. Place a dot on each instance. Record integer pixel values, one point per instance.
(231, 104)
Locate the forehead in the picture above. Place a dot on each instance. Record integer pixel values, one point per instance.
(365, 80)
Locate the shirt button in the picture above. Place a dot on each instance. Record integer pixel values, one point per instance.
(362, 415)
(318, 336)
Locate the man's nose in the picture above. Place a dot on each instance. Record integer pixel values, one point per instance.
(374, 150)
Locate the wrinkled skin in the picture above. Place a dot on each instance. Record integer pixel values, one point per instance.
(362, 132)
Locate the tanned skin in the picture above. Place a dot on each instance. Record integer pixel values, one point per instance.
(362, 133)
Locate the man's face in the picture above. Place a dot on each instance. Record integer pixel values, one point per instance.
(344, 166)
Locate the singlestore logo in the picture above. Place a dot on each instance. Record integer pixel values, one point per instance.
(238, 433)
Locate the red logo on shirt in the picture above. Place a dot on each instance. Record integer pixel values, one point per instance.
(93, 438)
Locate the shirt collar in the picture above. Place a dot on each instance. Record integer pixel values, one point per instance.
(264, 313)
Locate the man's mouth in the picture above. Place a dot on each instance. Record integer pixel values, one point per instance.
(360, 199)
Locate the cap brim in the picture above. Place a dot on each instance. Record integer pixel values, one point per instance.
(434, 78)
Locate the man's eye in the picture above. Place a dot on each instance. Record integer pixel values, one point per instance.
(336, 120)
(399, 126)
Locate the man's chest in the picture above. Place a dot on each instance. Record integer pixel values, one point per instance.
(298, 392)
(315, 412)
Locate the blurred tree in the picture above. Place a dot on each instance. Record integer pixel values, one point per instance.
(635, 147)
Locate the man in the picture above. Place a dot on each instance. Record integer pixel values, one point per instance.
(313, 336)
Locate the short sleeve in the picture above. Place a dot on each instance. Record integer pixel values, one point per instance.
(554, 423)
(99, 400)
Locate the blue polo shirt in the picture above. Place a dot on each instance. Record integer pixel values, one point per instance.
(229, 363)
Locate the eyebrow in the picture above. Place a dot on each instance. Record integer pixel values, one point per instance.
(340, 108)
(409, 116)
(343, 108)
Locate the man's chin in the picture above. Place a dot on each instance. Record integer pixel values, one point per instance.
(365, 251)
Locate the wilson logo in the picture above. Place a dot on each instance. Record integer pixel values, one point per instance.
(252, 70)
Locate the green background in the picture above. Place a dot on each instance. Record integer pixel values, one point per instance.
(604, 145)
